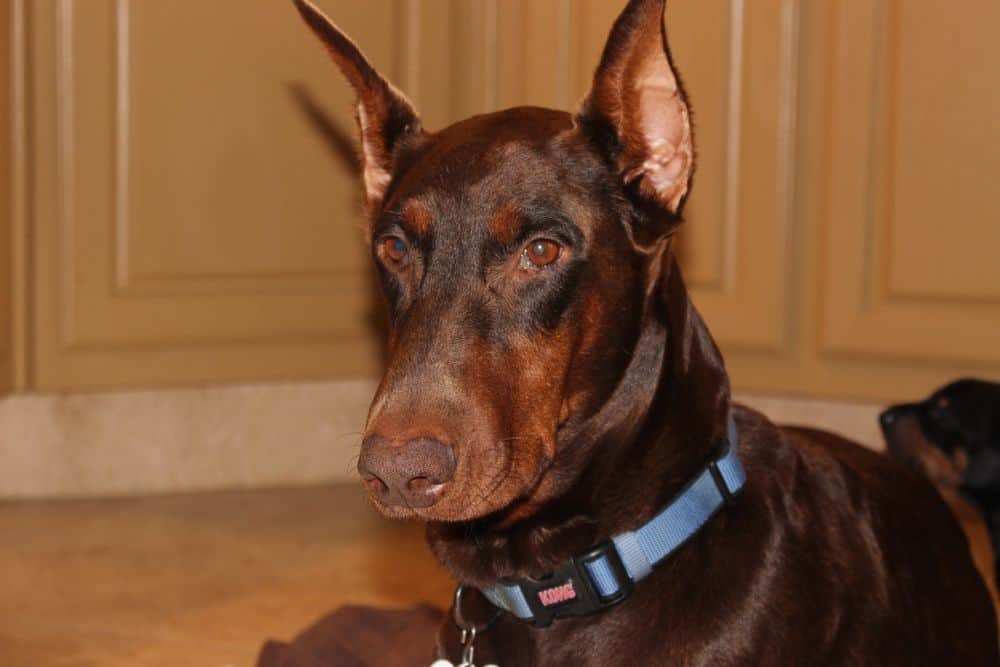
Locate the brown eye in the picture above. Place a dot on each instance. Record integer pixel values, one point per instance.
(394, 249)
(540, 253)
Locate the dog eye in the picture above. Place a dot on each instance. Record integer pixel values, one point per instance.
(539, 253)
(394, 250)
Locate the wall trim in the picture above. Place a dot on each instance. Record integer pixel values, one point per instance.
(172, 440)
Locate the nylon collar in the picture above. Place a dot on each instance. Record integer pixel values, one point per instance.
(606, 575)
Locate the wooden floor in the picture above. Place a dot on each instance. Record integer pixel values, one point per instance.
(199, 580)
(203, 580)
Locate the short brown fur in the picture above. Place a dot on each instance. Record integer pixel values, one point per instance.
(528, 413)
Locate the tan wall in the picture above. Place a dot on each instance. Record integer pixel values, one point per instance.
(190, 224)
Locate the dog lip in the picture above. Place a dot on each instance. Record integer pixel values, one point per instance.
(392, 511)
(524, 497)
(425, 493)
(424, 485)
(416, 506)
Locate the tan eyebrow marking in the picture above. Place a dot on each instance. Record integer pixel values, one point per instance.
(506, 223)
(416, 217)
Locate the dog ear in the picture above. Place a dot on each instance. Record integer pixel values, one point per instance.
(637, 96)
(385, 117)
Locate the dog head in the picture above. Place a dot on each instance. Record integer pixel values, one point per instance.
(515, 251)
(953, 437)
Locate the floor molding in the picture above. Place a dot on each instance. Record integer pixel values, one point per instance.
(173, 440)
(114, 443)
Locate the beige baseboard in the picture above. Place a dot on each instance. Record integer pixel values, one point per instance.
(180, 439)
(855, 420)
(174, 440)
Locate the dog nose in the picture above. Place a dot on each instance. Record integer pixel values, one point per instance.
(889, 417)
(412, 474)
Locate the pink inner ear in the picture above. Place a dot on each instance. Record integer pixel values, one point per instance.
(657, 110)
(375, 173)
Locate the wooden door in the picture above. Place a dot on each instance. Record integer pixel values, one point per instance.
(893, 284)
(191, 224)
(193, 218)
(912, 224)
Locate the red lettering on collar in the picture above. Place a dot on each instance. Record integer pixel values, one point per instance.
(563, 593)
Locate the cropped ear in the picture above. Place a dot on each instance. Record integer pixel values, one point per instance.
(637, 96)
(385, 117)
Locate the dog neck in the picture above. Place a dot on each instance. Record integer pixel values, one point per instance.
(617, 467)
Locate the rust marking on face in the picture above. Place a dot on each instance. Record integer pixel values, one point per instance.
(516, 388)
(960, 459)
(506, 223)
(417, 217)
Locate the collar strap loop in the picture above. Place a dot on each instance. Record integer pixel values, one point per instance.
(605, 576)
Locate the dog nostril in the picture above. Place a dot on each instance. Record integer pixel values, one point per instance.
(376, 486)
(419, 485)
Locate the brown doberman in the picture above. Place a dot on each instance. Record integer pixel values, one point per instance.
(556, 411)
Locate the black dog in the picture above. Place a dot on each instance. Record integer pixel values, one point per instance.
(953, 437)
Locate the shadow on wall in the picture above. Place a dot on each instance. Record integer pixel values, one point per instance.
(343, 148)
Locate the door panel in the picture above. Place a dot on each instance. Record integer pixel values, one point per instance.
(192, 224)
(857, 331)
(912, 223)
(735, 247)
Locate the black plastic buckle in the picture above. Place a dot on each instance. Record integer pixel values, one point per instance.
(569, 591)
(720, 482)
(721, 450)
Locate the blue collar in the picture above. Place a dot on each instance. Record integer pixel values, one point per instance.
(606, 575)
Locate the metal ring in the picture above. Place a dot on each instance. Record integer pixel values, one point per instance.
(459, 617)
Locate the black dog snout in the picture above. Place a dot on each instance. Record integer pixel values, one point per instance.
(889, 417)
